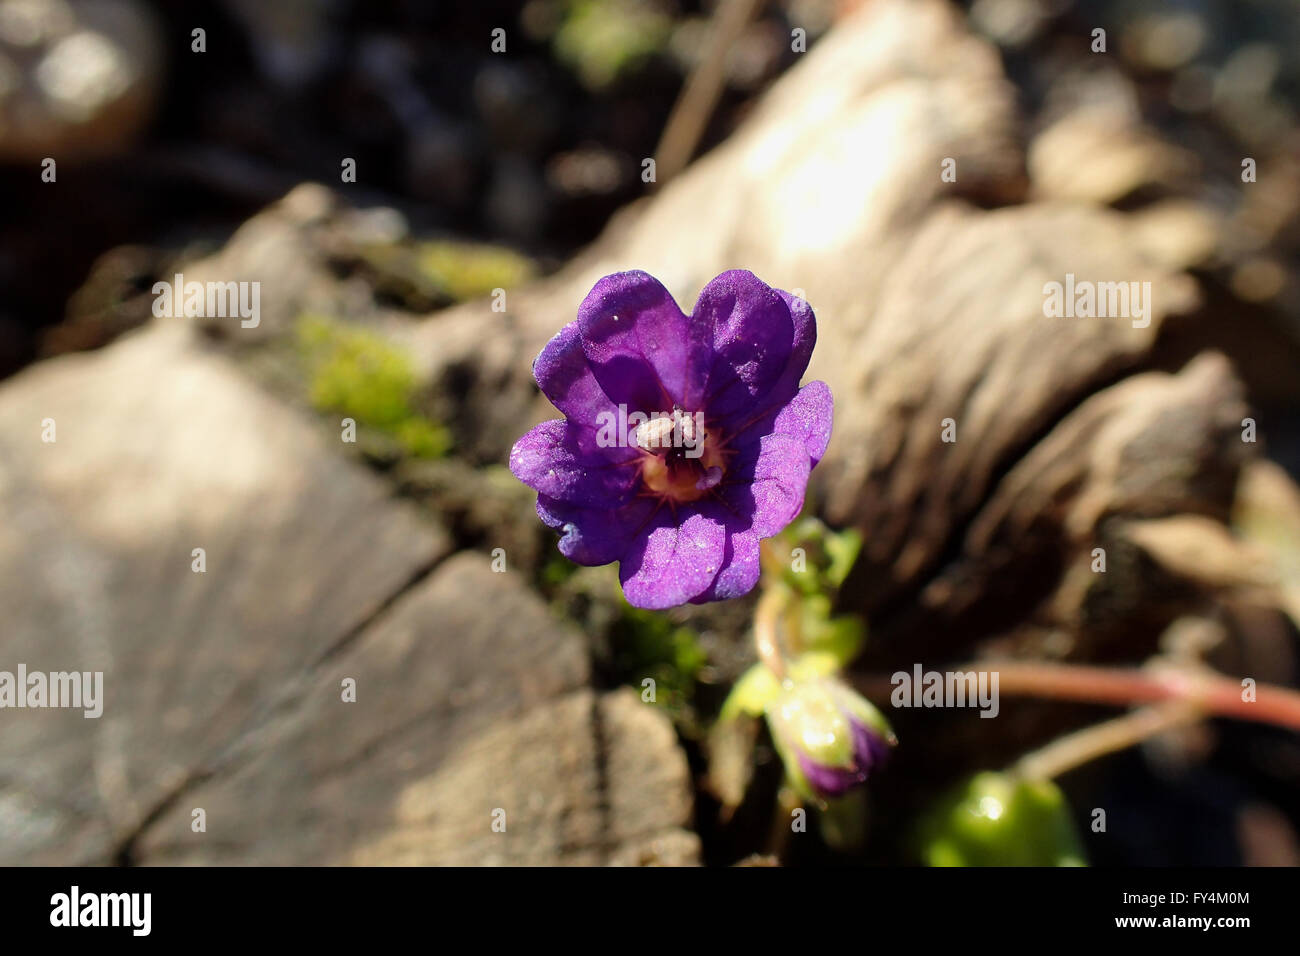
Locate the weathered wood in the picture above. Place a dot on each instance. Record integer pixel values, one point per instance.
(470, 700)
(223, 689)
(161, 449)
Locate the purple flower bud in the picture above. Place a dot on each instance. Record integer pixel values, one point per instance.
(829, 737)
(718, 454)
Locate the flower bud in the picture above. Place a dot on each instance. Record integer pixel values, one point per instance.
(829, 737)
(1000, 819)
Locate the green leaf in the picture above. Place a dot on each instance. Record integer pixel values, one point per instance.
(751, 693)
(842, 548)
(842, 636)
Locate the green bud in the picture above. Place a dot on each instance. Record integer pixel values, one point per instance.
(999, 819)
(830, 738)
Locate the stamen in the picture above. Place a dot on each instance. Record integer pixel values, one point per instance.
(655, 435)
(681, 459)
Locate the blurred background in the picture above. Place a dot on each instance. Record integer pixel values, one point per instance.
(803, 139)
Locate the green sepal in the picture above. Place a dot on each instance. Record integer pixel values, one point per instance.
(758, 686)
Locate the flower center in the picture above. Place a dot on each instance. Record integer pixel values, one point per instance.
(681, 459)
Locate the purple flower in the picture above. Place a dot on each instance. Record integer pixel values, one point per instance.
(830, 737)
(685, 439)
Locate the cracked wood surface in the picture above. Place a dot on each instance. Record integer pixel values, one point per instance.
(223, 688)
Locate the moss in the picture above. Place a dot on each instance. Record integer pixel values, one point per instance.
(363, 376)
(630, 643)
(394, 273)
(467, 270)
(555, 571)
(421, 276)
(600, 40)
(649, 644)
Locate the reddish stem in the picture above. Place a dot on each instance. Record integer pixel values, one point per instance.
(1209, 691)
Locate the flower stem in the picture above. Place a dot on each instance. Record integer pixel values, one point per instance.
(767, 639)
(690, 114)
(1072, 750)
(1211, 693)
(1208, 692)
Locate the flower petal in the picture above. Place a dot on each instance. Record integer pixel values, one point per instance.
(565, 378)
(672, 562)
(640, 346)
(740, 568)
(595, 536)
(830, 782)
(553, 459)
(768, 486)
(801, 348)
(753, 334)
(807, 417)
